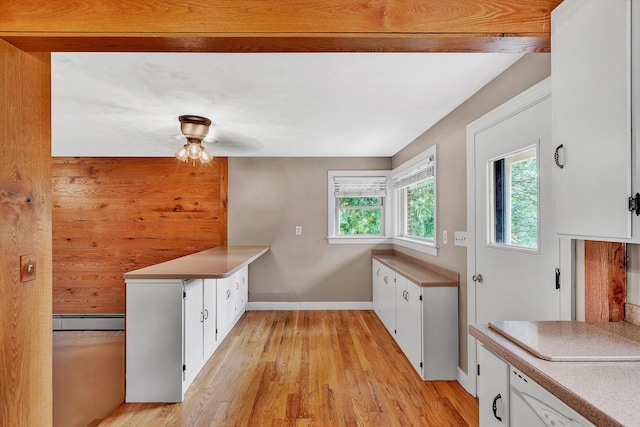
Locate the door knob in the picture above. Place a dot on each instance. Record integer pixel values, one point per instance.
(477, 278)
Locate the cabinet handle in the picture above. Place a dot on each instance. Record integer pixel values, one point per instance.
(477, 278)
(495, 407)
(386, 280)
(244, 280)
(228, 294)
(206, 314)
(378, 272)
(237, 286)
(201, 317)
(557, 154)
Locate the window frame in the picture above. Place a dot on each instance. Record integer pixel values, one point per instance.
(333, 232)
(399, 237)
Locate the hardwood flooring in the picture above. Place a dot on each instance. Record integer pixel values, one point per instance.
(308, 368)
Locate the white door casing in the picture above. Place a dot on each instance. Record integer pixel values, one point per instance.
(517, 284)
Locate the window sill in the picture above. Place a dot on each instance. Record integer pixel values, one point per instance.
(416, 245)
(362, 240)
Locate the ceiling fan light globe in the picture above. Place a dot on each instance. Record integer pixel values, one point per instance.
(181, 153)
(193, 150)
(205, 156)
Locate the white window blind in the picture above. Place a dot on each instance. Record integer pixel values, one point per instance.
(359, 186)
(416, 175)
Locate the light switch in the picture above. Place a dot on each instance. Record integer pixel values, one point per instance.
(445, 238)
(460, 238)
(298, 230)
(27, 268)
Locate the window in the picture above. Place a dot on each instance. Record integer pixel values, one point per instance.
(357, 205)
(414, 184)
(514, 200)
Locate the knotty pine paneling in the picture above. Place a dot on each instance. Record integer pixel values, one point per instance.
(605, 281)
(25, 229)
(113, 215)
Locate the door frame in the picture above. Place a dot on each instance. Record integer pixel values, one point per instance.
(528, 98)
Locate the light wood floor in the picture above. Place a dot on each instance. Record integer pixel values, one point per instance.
(308, 368)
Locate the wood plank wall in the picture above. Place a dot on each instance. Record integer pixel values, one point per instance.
(113, 215)
(25, 229)
(605, 281)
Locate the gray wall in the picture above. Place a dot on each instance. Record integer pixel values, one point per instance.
(268, 197)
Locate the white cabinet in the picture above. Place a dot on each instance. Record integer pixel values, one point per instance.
(593, 89)
(173, 327)
(210, 338)
(510, 398)
(226, 306)
(409, 321)
(241, 291)
(193, 330)
(423, 320)
(384, 289)
(493, 389)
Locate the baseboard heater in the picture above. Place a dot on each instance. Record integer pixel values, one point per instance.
(88, 322)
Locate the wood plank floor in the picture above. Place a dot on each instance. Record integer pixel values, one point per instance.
(308, 368)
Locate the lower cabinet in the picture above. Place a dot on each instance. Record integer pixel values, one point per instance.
(172, 329)
(423, 320)
(510, 398)
(493, 389)
(384, 289)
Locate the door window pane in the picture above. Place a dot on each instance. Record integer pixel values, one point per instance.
(514, 200)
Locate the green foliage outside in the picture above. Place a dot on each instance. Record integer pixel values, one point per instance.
(420, 209)
(524, 203)
(360, 221)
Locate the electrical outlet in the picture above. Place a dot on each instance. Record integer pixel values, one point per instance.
(298, 230)
(460, 238)
(27, 268)
(445, 239)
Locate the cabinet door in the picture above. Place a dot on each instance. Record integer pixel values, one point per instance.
(409, 321)
(377, 291)
(388, 299)
(591, 103)
(193, 330)
(493, 389)
(209, 305)
(225, 307)
(243, 295)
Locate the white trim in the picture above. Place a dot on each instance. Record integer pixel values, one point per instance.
(528, 98)
(462, 380)
(416, 245)
(362, 240)
(328, 305)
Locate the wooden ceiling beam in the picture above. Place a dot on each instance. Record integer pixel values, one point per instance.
(278, 25)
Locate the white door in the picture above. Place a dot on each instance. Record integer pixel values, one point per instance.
(409, 321)
(193, 320)
(516, 249)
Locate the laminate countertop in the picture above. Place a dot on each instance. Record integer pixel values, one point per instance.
(214, 263)
(604, 392)
(419, 272)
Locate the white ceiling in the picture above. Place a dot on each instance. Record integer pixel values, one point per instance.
(262, 104)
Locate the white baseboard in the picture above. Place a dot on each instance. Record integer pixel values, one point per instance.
(463, 379)
(337, 305)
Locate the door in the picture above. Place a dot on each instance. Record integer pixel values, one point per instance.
(516, 248)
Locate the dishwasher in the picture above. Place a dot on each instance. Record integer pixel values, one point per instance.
(532, 406)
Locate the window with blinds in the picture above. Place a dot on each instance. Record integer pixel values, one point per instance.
(416, 198)
(358, 204)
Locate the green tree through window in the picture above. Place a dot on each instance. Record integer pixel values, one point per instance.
(360, 215)
(420, 209)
